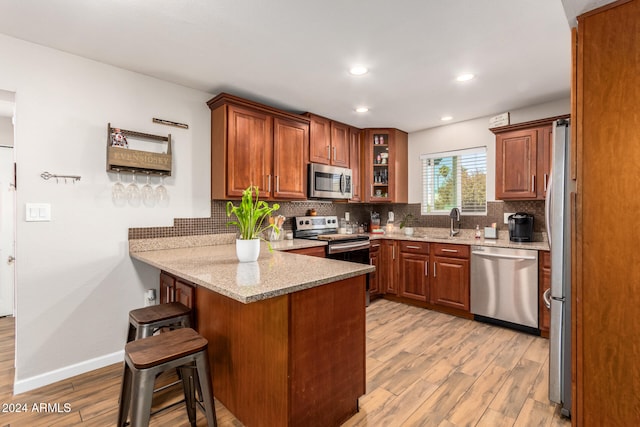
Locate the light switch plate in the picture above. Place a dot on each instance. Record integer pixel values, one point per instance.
(506, 217)
(37, 212)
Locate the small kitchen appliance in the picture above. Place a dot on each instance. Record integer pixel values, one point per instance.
(329, 182)
(521, 227)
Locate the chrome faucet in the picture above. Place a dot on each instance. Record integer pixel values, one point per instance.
(454, 215)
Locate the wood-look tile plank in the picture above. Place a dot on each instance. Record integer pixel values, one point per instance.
(476, 400)
(423, 368)
(516, 388)
(436, 407)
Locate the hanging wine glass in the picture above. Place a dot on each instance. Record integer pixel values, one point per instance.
(161, 193)
(118, 192)
(133, 192)
(148, 195)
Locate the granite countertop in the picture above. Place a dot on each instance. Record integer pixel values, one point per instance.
(288, 245)
(466, 237)
(276, 273)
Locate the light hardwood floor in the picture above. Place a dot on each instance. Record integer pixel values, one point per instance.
(423, 369)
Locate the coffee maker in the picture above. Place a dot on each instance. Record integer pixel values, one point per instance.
(521, 227)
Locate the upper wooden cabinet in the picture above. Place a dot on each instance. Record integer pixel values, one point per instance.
(523, 159)
(254, 144)
(385, 166)
(329, 141)
(355, 163)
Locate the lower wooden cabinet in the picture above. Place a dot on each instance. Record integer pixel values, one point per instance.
(450, 282)
(173, 289)
(317, 251)
(374, 259)
(389, 256)
(414, 270)
(544, 283)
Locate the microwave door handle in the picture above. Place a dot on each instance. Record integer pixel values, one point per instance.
(342, 181)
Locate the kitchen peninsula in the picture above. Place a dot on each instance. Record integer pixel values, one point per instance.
(286, 333)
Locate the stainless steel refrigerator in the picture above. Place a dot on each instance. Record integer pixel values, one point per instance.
(558, 297)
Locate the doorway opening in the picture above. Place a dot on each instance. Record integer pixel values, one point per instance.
(7, 204)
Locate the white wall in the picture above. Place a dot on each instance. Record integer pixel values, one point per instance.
(6, 131)
(75, 279)
(468, 134)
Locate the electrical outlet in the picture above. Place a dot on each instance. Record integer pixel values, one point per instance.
(346, 216)
(506, 217)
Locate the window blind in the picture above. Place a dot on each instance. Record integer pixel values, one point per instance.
(455, 179)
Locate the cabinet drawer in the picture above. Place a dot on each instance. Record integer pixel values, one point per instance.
(374, 246)
(414, 247)
(452, 251)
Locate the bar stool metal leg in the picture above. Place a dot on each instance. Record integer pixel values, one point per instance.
(206, 388)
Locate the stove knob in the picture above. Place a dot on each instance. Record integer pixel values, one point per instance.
(301, 222)
(307, 222)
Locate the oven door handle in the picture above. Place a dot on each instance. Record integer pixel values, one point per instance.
(347, 247)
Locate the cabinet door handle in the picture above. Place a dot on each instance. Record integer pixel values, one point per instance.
(328, 153)
(455, 251)
(376, 245)
(393, 252)
(434, 269)
(545, 181)
(268, 183)
(277, 183)
(334, 154)
(533, 183)
(426, 268)
(413, 247)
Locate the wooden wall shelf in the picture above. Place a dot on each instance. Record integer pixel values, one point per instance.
(134, 161)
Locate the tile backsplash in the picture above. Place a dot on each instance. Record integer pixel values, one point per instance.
(216, 223)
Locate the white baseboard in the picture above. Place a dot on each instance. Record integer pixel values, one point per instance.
(27, 384)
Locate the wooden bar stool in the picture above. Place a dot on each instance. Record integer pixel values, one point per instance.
(144, 322)
(147, 358)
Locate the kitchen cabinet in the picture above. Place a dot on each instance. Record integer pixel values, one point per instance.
(389, 256)
(605, 297)
(176, 290)
(253, 144)
(450, 276)
(523, 159)
(355, 163)
(329, 141)
(544, 283)
(317, 251)
(385, 166)
(374, 259)
(173, 289)
(414, 270)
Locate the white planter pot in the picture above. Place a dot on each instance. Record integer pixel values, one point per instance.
(248, 250)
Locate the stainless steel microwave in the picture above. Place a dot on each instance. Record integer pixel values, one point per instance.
(329, 182)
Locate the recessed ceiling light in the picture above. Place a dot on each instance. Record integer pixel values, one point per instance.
(465, 77)
(362, 109)
(358, 70)
(446, 118)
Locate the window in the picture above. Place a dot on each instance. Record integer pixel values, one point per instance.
(455, 179)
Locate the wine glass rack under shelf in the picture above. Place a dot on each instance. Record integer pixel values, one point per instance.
(122, 159)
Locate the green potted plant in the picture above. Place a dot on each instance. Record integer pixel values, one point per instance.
(404, 224)
(252, 219)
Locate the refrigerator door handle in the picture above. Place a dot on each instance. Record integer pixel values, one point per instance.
(547, 298)
(547, 208)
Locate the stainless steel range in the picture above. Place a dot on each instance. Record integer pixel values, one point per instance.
(344, 247)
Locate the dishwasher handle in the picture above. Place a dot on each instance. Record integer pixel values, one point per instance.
(490, 255)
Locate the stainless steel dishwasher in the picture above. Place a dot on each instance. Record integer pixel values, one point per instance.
(504, 286)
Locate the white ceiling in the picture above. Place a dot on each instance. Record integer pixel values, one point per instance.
(295, 55)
